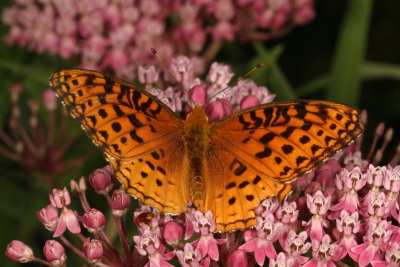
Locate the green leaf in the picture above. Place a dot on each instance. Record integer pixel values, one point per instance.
(271, 74)
(345, 78)
(369, 71)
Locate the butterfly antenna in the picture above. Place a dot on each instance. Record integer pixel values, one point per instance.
(157, 56)
(256, 67)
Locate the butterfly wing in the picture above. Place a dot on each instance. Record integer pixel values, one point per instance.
(135, 130)
(257, 152)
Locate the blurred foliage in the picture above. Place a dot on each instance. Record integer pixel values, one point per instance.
(348, 53)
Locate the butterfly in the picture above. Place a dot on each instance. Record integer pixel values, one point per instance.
(228, 166)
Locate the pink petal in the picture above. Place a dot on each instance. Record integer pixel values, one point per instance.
(259, 255)
(213, 250)
(202, 247)
(269, 251)
(358, 249)
(61, 226)
(379, 263)
(366, 256)
(169, 255)
(311, 263)
(72, 222)
(316, 230)
(249, 246)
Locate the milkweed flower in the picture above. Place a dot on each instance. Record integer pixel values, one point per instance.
(118, 35)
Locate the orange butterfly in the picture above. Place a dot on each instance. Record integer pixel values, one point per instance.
(228, 166)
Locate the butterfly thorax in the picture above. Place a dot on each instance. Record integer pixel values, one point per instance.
(196, 142)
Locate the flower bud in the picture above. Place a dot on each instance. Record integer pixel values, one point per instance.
(93, 250)
(54, 253)
(198, 94)
(172, 232)
(100, 180)
(49, 217)
(249, 101)
(18, 251)
(94, 220)
(219, 109)
(120, 202)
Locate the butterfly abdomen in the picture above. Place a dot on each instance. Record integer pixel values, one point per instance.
(196, 142)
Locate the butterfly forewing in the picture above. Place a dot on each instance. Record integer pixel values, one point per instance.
(123, 120)
(132, 128)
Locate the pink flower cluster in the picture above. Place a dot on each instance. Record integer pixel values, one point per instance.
(181, 88)
(118, 34)
(355, 219)
(346, 210)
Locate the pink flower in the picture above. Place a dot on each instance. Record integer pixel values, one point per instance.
(206, 244)
(377, 205)
(93, 249)
(181, 69)
(268, 205)
(60, 198)
(376, 239)
(262, 244)
(317, 205)
(219, 75)
(349, 182)
(287, 214)
(93, 220)
(54, 253)
(323, 253)
(348, 225)
(247, 87)
(148, 75)
(18, 251)
(375, 175)
(67, 220)
(296, 245)
(281, 260)
(149, 244)
(49, 217)
(392, 257)
(190, 257)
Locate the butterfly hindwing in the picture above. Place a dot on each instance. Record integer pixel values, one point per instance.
(154, 177)
(235, 189)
